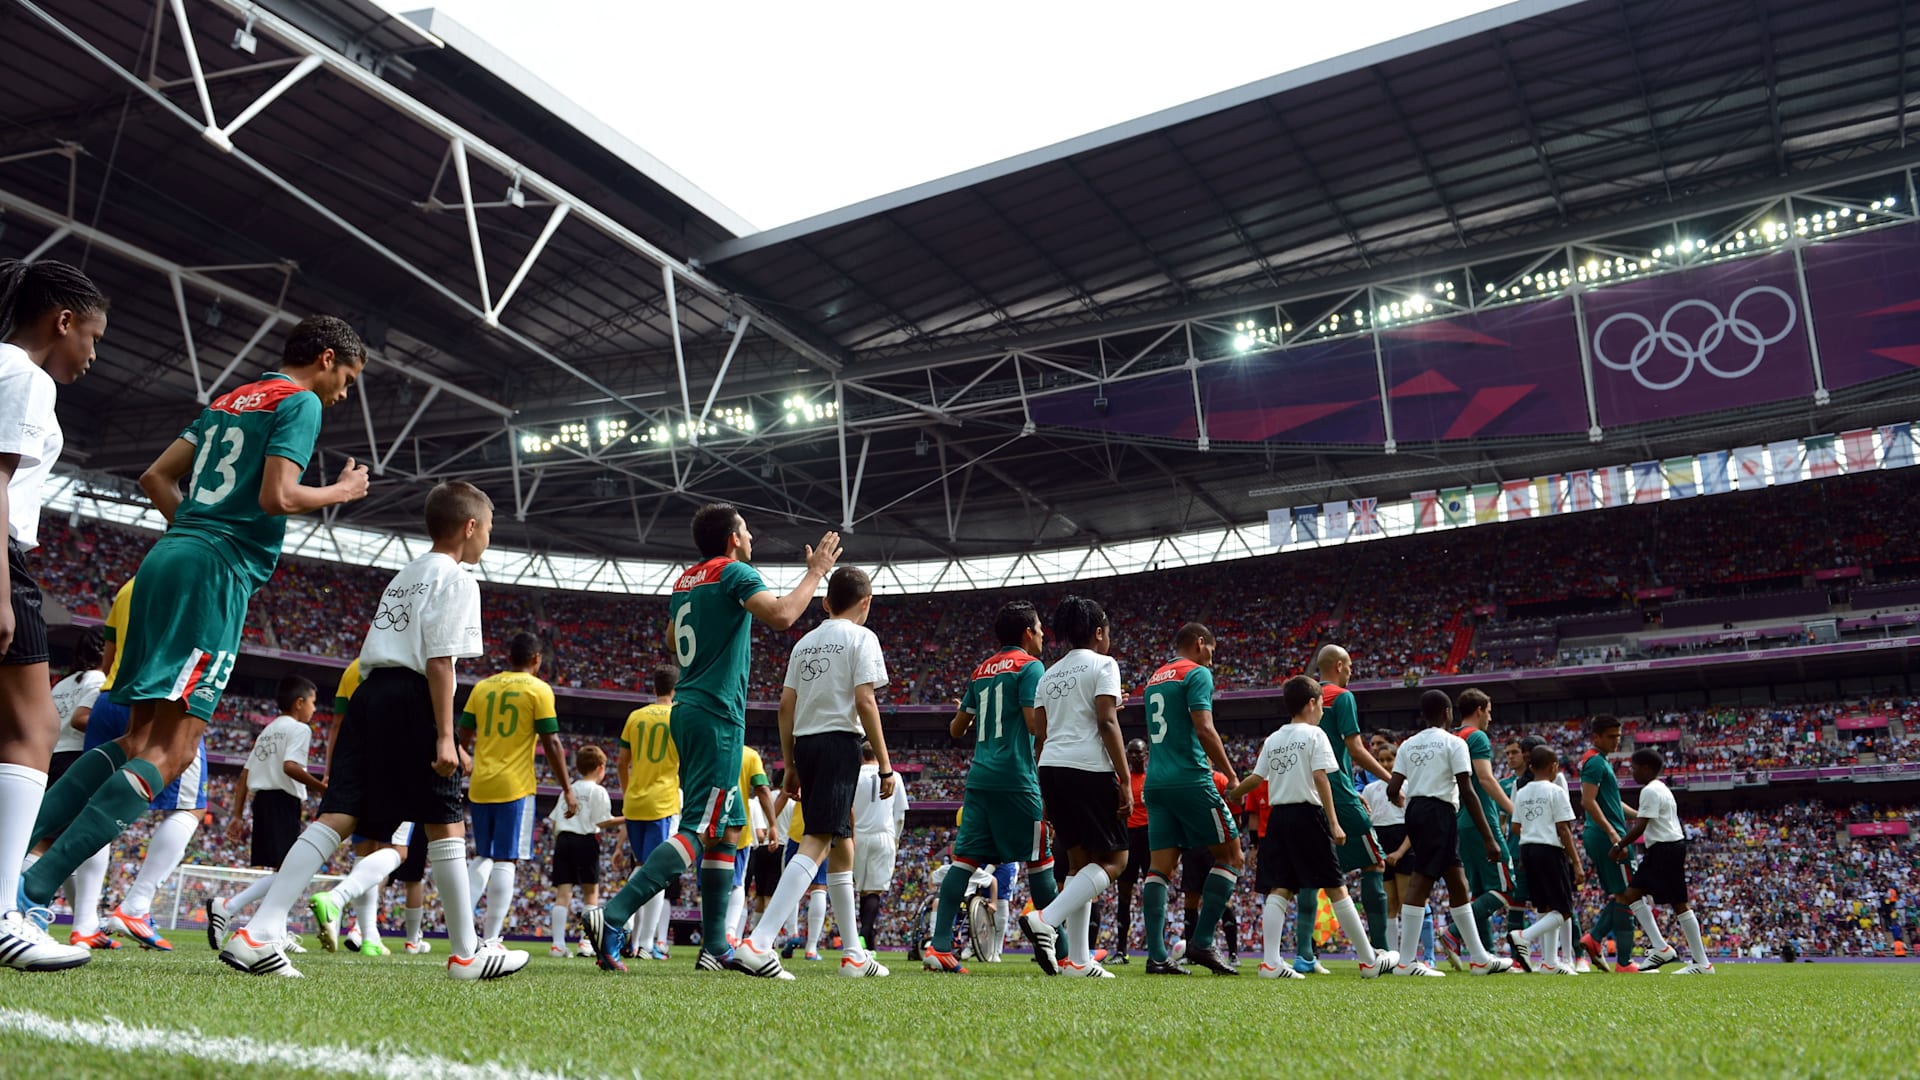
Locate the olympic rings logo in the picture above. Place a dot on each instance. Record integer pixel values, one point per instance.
(1699, 352)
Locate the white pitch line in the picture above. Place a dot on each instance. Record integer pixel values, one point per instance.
(109, 1034)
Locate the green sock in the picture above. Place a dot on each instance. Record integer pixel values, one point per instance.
(716, 889)
(1213, 901)
(666, 862)
(1153, 906)
(1623, 927)
(1308, 903)
(1602, 923)
(1373, 901)
(953, 889)
(1484, 909)
(1041, 885)
(62, 802)
(117, 804)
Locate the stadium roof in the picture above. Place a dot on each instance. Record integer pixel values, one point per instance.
(875, 364)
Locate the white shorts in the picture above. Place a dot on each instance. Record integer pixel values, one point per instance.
(873, 858)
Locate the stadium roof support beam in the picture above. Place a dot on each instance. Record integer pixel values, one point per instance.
(1532, 128)
(1646, 99)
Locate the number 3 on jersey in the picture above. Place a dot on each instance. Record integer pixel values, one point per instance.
(1157, 718)
(236, 442)
(684, 642)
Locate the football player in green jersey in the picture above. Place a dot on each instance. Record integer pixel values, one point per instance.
(710, 621)
(1184, 807)
(1606, 824)
(1490, 882)
(241, 460)
(1333, 666)
(1001, 819)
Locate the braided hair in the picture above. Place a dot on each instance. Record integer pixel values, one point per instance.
(30, 290)
(1077, 620)
(88, 652)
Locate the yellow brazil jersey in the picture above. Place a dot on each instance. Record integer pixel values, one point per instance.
(653, 765)
(349, 682)
(508, 713)
(799, 827)
(753, 773)
(116, 630)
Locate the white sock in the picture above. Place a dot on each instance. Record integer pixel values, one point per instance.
(366, 914)
(794, 881)
(1696, 946)
(479, 871)
(1412, 920)
(1469, 934)
(1546, 926)
(21, 788)
(250, 895)
(736, 906)
(1349, 918)
(447, 861)
(1274, 928)
(414, 916)
(655, 920)
(1001, 912)
(367, 875)
(816, 918)
(499, 898)
(165, 848)
(557, 920)
(307, 857)
(1079, 935)
(1081, 890)
(85, 886)
(846, 911)
(1566, 943)
(1643, 913)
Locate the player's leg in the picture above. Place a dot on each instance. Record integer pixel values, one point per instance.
(973, 847)
(1699, 963)
(557, 916)
(1217, 891)
(413, 913)
(1415, 891)
(1364, 852)
(794, 890)
(1139, 857)
(374, 862)
(517, 844)
(1153, 903)
(165, 848)
(1460, 908)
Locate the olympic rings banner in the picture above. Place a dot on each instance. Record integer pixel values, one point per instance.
(1718, 337)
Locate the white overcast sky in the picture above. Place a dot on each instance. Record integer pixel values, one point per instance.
(783, 111)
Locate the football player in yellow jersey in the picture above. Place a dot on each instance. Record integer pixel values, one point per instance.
(649, 771)
(754, 790)
(505, 715)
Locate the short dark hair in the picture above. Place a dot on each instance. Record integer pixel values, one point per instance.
(316, 334)
(31, 290)
(1077, 620)
(867, 752)
(1542, 757)
(1190, 633)
(1012, 622)
(1434, 707)
(1649, 758)
(524, 648)
(292, 689)
(847, 587)
(450, 505)
(665, 678)
(1602, 724)
(1470, 701)
(588, 758)
(712, 524)
(1299, 693)
(88, 651)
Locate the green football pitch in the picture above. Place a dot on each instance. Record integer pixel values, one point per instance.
(154, 1015)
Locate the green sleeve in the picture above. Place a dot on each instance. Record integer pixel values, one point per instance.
(546, 725)
(467, 720)
(1479, 747)
(742, 582)
(758, 781)
(296, 426)
(1030, 683)
(1346, 716)
(195, 431)
(1595, 769)
(339, 706)
(1199, 684)
(970, 701)
(547, 709)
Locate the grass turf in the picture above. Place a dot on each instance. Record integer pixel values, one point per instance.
(665, 1020)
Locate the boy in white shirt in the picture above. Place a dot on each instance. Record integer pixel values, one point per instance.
(275, 781)
(1297, 849)
(1432, 778)
(828, 701)
(877, 821)
(576, 843)
(1551, 858)
(1662, 873)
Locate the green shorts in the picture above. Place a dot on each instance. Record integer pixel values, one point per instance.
(1187, 817)
(1485, 877)
(709, 746)
(1001, 827)
(1519, 895)
(184, 620)
(1362, 848)
(1611, 876)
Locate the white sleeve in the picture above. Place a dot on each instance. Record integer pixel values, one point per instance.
(1323, 752)
(450, 620)
(873, 664)
(1458, 759)
(1563, 805)
(298, 746)
(793, 671)
(899, 804)
(1109, 679)
(25, 404)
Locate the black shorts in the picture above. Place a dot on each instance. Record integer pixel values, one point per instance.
(1138, 857)
(829, 765)
(383, 762)
(1297, 851)
(276, 825)
(1662, 873)
(1195, 864)
(576, 859)
(1433, 827)
(763, 869)
(1549, 878)
(413, 868)
(29, 621)
(1390, 837)
(1084, 809)
(61, 762)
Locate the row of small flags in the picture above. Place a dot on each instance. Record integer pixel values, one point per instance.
(1715, 472)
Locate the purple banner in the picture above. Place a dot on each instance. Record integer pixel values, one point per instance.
(1155, 405)
(1860, 723)
(1866, 300)
(1513, 371)
(1877, 828)
(1322, 393)
(1700, 341)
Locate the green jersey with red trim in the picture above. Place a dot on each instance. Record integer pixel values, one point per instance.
(234, 437)
(709, 630)
(1174, 755)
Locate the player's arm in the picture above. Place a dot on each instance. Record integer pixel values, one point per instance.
(1247, 785)
(1590, 805)
(765, 795)
(1037, 727)
(557, 761)
(623, 766)
(1625, 843)
(962, 723)
(1464, 780)
(333, 734)
(1203, 729)
(1394, 783)
(162, 479)
(867, 707)
(282, 493)
(791, 783)
(784, 611)
(299, 773)
(1363, 757)
(1325, 791)
(1483, 775)
(1565, 829)
(236, 823)
(440, 689)
(80, 717)
(1106, 714)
